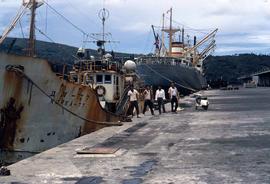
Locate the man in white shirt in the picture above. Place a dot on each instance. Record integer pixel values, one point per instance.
(160, 96)
(133, 100)
(173, 93)
(148, 100)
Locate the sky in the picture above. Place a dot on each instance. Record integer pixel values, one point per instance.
(244, 25)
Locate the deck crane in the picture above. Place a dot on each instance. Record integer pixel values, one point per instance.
(208, 50)
(157, 50)
(13, 23)
(27, 4)
(197, 57)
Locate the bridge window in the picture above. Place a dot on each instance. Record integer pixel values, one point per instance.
(108, 79)
(99, 79)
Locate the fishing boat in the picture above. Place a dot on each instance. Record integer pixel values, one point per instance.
(176, 61)
(41, 109)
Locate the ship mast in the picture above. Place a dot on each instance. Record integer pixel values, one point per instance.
(31, 43)
(103, 15)
(163, 52)
(171, 31)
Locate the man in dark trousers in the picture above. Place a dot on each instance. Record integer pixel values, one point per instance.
(160, 97)
(148, 96)
(173, 93)
(133, 100)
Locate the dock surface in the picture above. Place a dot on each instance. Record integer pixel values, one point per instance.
(229, 143)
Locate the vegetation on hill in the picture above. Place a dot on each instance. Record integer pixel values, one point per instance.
(216, 68)
(229, 68)
(56, 54)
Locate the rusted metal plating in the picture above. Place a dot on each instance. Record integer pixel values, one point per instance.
(38, 107)
(9, 116)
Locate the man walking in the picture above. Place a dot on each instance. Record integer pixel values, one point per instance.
(173, 93)
(148, 100)
(133, 100)
(160, 96)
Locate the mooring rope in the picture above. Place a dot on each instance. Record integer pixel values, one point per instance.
(166, 78)
(20, 73)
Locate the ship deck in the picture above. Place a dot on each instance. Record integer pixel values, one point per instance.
(229, 143)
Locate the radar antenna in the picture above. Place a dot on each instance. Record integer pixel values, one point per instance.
(104, 15)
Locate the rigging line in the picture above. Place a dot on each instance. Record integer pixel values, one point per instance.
(41, 32)
(72, 24)
(22, 74)
(189, 28)
(115, 44)
(58, 45)
(79, 11)
(111, 45)
(14, 22)
(21, 29)
(46, 19)
(166, 78)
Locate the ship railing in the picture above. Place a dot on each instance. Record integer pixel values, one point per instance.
(95, 66)
(156, 60)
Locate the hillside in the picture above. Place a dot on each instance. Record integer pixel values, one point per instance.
(56, 54)
(216, 68)
(229, 68)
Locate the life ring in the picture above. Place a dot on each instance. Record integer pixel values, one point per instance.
(101, 91)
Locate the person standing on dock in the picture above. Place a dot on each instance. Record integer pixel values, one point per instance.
(173, 93)
(160, 97)
(133, 100)
(148, 96)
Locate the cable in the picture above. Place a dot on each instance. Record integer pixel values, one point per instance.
(41, 32)
(189, 28)
(166, 78)
(20, 73)
(63, 17)
(80, 12)
(46, 19)
(14, 22)
(21, 29)
(58, 45)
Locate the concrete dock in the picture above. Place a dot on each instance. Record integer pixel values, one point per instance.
(229, 143)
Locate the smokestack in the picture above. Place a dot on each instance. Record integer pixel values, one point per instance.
(195, 40)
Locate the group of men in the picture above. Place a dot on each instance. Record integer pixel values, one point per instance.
(149, 98)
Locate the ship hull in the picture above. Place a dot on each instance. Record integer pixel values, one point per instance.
(187, 79)
(42, 111)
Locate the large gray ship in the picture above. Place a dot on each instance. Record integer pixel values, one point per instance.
(177, 61)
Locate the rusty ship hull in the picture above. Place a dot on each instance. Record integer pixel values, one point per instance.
(43, 110)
